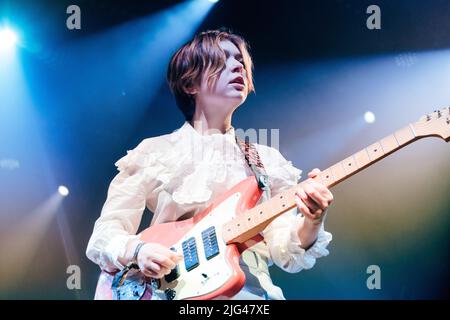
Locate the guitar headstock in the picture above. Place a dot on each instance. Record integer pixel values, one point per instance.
(436, 124)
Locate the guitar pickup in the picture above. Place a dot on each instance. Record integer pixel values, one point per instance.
(210, 243)
(190, 254)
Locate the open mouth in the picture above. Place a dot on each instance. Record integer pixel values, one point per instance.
(238, 80)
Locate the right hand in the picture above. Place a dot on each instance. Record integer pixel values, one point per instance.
(156, 261)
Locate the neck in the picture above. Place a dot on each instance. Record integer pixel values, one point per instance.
(205, 123)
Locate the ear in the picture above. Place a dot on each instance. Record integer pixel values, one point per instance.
(191, 90)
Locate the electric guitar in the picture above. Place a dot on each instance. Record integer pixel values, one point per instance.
(212, 241)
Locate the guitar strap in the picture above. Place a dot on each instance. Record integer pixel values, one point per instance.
(254, 162)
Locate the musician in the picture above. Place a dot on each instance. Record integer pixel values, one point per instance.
(210, 77)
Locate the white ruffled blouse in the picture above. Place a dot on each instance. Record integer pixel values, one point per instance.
(178, 175)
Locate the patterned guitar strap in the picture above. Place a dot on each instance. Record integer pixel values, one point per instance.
(256, 165)
(254, 162)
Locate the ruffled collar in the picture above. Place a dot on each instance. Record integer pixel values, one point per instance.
(188, 129)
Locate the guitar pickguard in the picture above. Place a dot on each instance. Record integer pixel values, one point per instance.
(210, 274)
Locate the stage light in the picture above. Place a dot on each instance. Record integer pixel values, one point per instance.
(63, 191)
(369, 117)
(8, 38)
(213, 1)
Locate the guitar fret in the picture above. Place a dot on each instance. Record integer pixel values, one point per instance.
(343, 167)
(356, 163)
(375, 151)
(285, 198)
(349, 165)
(279, 202)
(329, 178)
(398, 143)
(389, 143)
(412, 130)
(338, 171)
(269, 208)
(261, 216)
(255, 216)
(363, 158)
(368, 154)
(334, 177)
(243, 222)
(237, 224)
(381, 146)
(404, 135)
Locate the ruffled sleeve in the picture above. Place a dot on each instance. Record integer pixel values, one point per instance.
(139, 176)
(281, 235)
(285, 246)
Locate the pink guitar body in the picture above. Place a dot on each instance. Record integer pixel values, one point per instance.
(215, 273)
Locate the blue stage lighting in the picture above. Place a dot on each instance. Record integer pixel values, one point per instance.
(8, 38)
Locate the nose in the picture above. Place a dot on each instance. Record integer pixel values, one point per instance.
(237, 67)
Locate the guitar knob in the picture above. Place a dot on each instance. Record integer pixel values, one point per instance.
(173, 275)
(170, 294)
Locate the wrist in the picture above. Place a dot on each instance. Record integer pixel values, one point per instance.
(130, 249)
(307, 233)
(312, 223)
(137, 249)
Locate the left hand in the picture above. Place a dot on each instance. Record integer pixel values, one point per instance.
(313, 198)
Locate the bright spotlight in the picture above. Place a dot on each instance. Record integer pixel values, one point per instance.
(369, 117)
(213, 1)
(63, 191)
(8, 38)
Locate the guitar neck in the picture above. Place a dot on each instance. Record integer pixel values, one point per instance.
(245, 227)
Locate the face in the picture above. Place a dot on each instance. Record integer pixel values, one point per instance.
(231, 86)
